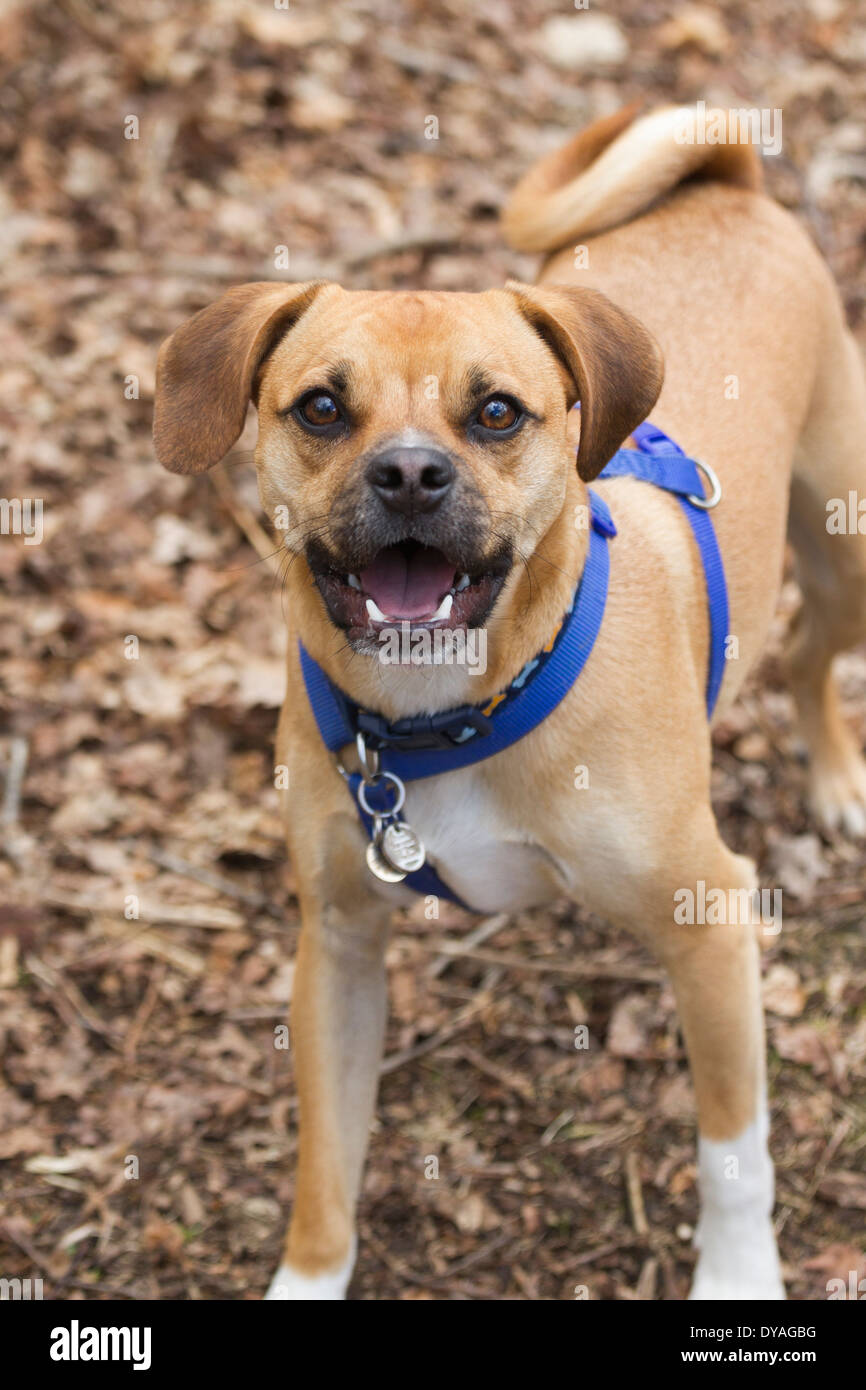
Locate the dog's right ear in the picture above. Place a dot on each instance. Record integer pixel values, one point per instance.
(207, 368)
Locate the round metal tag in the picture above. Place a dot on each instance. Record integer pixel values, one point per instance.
(402, 847)
(379, 865)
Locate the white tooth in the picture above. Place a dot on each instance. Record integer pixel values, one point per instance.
(353, 581)
(375, 612)
(463, 583)
(444, 609)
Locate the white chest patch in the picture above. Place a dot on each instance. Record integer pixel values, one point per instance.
(479, 846)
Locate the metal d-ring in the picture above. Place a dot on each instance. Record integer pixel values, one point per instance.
(706, 504)
(371, 782)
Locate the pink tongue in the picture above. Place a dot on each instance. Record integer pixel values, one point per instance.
(407, 586)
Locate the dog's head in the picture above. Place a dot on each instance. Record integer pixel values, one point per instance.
(413, 446)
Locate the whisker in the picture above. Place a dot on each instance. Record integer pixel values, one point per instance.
(536, 554)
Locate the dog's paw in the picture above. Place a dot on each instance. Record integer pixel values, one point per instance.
(837, 796)
(738, 1260)
(291, 1286)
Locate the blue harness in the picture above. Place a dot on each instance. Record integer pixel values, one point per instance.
(427, 745)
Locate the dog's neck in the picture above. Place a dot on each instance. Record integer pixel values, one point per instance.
(531, 606)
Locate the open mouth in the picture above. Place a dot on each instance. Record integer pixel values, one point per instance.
(408, 583)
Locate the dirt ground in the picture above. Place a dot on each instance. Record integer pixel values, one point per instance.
(148, 919)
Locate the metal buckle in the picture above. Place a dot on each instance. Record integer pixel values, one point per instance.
(371, 778)
(368, 758)
(706, 504)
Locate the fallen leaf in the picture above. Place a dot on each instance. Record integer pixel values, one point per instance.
(782, 992)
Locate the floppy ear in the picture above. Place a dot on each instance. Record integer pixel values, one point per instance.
(615, 365)
(207, 368)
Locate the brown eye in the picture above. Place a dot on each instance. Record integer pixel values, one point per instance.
(319, 410)
(499, 413)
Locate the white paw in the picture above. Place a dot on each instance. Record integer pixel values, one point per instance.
(738, 1260)
(738, 1256)
(290, 1285)
(838, 797)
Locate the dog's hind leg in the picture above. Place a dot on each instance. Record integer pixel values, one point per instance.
(692, 901)
(828, 484)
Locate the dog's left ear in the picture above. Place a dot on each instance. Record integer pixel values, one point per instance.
(615, 365)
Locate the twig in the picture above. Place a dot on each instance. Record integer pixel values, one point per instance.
(200, 915)
(645, 1289)
(577, 970)
(428, 60)
(396, 246)
(508, 1079)
(635, 1193)
(120, 264)
(838, 1136)
(254, 1015)
(590, 1256)
(155, 943)
(56, 983)
(230, 1078)
(7, 1230)
(605, 1138)
(244, 519)
(440, 1281)
(8, 961)
(220, 882)
(16, 766)
(112, 1290)
(476, 937)
(476, 1257)
(462, 1019)
(563, 1119)
(136, 1028)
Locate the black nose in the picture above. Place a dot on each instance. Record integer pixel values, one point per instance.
(411, 479)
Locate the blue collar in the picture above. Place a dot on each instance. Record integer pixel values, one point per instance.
(427, 745)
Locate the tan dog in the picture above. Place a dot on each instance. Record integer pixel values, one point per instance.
(423, 445)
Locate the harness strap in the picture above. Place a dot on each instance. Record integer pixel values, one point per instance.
(665, 464)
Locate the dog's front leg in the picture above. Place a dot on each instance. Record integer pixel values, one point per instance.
(337, 1027)
(714, 963)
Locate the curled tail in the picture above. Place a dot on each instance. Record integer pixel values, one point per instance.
(619, 166)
